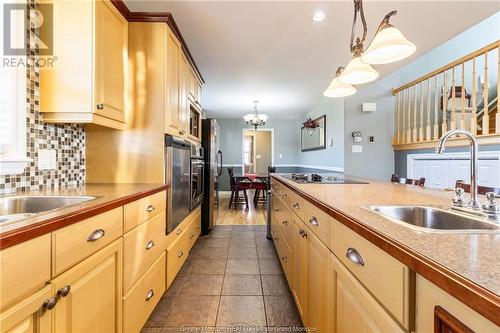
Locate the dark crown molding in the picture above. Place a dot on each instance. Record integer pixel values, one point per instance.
(165, 17)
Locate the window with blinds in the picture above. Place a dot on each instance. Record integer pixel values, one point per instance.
(12, 96)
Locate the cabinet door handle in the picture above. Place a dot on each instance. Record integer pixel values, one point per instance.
(296, 205)
(284, 258)
(150, 208)
(96, 235)
(180, 254)
(64, 291)
(314, 221)
(285, 222)
(191, 236)
(179, 231)
(353, 255)
(150, 244)
(100, 106)
(49, 304)
(284, 195)
(150, 294)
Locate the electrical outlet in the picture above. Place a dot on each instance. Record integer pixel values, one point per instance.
(258, 156)
(47, 159)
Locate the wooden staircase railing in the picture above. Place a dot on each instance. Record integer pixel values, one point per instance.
(458, 95)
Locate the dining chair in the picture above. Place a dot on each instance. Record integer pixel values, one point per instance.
(401, 180)
(480, 189)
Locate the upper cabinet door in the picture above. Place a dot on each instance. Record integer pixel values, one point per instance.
(183, 95)
(111, 36)
(87, 82)
(172, 110)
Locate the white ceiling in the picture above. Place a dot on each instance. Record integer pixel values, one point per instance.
(274, 52)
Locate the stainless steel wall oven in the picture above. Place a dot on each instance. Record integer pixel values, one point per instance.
(197, 176)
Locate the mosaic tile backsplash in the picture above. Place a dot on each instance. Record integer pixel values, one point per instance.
(67, 140)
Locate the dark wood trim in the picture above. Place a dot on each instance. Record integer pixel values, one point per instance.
(165, 17)
(473, 295)
(31, 231)
(445, 322)
(324, 136)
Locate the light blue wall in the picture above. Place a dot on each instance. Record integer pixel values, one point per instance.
(332, 156)
(378, 159)
(286, 140)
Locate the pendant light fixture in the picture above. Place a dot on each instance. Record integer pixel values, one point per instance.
(388, 45)
(255, 119)
(337, 88)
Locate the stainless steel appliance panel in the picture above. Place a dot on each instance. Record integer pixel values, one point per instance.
(178, 154)
(213, 170)
(197, 176)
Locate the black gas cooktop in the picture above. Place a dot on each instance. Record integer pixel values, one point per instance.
(323, 178)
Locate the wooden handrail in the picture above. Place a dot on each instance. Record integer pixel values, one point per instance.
(444, 68)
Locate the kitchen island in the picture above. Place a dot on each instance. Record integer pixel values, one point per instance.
(463, 265)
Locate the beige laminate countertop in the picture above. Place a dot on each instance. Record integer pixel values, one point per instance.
(108, 196)
(475, 257)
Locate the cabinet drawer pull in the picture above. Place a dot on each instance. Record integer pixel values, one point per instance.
(296, 205)
(100, 106)
(276, 238)
(285, 222)
(150, 294)
(179, 231)
(191, 236)
(284, 195)
(314, 221)
(150, 208)
(353, 255)
(284, 258)
(49, 304)
(276, 209)
(64, 291)
(180, 254)
(96, 235)
(150, 244)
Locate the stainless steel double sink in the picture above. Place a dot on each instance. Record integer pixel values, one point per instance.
(432, 219)
(16, 208)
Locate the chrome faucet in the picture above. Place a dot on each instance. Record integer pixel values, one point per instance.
(474, 200)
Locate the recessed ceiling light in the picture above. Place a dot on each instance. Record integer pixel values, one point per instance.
(319, 16)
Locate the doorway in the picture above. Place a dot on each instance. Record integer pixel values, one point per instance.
(257, 150)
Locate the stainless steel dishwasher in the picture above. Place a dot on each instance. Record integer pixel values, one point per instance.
(177, 168)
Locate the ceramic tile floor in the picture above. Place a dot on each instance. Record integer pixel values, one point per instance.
(231, 282)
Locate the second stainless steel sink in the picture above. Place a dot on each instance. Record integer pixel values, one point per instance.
(433, 219)
(19, 207)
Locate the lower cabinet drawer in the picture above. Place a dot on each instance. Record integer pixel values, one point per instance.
(176, 256)
(76, 242)
(194, 230)
(285, 255)
(375, 269)
(314, 218)
(24, 267)
(142, 246)
(143, 209)
(141, 300)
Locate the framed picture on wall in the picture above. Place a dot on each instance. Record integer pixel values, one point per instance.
(313, 134)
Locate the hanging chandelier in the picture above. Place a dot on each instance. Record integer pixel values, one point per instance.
(388, 45)
(255, 119)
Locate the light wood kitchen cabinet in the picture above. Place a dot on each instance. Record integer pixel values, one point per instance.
(19, 277)
(320, 286)
(436, 305)
(28, 315)
(90, 294)
(87, 83)
(300, 269)
(355, 310)
(173, 85)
